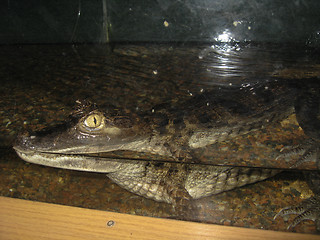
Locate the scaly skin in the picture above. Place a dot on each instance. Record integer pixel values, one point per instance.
(174, 132)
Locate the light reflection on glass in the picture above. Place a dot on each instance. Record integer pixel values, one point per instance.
(224, 37)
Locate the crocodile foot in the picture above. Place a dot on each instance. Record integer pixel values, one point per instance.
(309, 209)
(308, 152)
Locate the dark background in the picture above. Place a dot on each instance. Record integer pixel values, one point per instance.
(101, 21)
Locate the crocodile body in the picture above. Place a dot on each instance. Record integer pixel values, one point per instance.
(171, 130)
(171, 182)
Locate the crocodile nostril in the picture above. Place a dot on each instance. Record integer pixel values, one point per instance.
(23, 139)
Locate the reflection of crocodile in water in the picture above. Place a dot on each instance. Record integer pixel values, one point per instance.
(175, 132)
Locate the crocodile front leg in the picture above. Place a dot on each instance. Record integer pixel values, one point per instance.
(309, 209)
(307, 107)
(307, 152)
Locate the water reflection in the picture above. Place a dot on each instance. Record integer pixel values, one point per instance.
(238, 63)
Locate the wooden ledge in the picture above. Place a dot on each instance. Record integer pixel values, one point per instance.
(23, 219)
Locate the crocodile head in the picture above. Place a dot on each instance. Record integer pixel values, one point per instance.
(88, 131)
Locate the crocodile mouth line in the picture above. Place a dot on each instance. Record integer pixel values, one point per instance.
(53, 155)
(79, 162)
(51, 158)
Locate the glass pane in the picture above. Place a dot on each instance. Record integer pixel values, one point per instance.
(175, 115)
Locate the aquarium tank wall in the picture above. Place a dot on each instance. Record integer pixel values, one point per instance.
(166, 108)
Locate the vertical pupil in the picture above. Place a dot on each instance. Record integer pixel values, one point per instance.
(95, 121)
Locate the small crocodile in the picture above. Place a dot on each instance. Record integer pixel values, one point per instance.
(175, 130)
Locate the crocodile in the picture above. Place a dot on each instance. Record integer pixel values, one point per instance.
(174, 130)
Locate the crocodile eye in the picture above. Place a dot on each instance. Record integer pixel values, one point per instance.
(93, 121)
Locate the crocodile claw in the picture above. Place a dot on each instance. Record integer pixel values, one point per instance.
(308, 152)
(309, 209)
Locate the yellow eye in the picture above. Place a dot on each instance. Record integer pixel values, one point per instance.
(93, 121)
